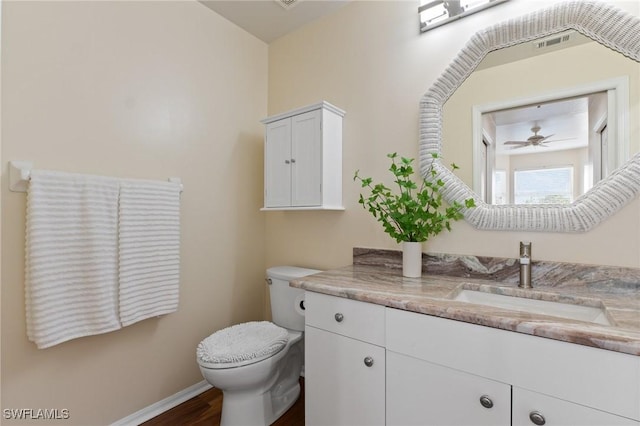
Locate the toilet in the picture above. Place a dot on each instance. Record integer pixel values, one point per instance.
(257, 364)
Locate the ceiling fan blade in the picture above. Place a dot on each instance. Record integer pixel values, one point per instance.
(560, 140)
(545, 138)
(518, 147)
(516, 142)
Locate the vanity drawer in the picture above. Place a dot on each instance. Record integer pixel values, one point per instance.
(358, 320)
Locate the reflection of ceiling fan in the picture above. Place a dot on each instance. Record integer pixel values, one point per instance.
(533, 140)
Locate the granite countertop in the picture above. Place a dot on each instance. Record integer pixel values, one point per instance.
(376, 277)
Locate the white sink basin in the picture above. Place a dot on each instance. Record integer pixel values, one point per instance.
(541, 307)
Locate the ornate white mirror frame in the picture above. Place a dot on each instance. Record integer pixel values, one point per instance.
(603, 23)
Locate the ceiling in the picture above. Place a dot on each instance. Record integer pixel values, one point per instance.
(271, 19)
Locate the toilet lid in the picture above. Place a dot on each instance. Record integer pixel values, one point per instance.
(250, 341)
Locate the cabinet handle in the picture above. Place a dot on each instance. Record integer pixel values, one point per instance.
(339, 317)
(537, 418)
(486, 401)
(368, 361)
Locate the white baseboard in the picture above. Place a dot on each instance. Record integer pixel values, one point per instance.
(160, 407)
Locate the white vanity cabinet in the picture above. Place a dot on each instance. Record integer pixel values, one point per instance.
(536, 380)
(303, 159)
(344, 362)
(370, 365)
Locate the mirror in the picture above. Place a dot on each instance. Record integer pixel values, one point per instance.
(461, 107)
(538, 115)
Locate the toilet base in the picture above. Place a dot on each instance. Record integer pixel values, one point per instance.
(258, 394)
(285, 401)
(249, 409)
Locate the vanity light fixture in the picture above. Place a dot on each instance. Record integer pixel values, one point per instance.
(439, 12)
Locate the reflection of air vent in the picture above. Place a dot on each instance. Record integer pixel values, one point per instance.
(554, 40)
(287, 4)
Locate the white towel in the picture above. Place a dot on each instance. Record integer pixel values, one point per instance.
(149, 245)
(71, 257)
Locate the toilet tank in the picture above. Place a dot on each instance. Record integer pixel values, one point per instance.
(287, 303)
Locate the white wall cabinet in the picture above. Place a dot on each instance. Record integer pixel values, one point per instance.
(344, 362)
(435, 371)
(303, 159)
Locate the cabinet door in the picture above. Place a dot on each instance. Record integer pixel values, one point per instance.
(306, 157)
(339, 388)
(532, 408)
(421, 393)
(277, 164)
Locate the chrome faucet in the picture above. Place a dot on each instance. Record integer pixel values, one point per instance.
(525, 265)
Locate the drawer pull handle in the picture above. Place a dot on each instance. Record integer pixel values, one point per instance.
(486, 401)
(368, 361)
(339, 317)
(537, 418)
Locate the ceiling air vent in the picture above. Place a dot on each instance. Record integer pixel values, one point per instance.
(555, 40)
(287, 4)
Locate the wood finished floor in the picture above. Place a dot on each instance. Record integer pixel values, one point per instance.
(205, 409)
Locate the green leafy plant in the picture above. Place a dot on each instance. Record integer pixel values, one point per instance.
(412, 213)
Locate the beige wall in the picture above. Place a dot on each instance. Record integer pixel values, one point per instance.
(143, 90)
(370, 60)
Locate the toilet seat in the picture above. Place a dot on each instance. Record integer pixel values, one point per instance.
(242, 344)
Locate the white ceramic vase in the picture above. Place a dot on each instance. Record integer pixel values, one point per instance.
(411, 259)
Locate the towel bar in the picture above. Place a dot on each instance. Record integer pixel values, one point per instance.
(20, 173)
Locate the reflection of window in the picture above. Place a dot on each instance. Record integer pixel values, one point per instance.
(500, 187)
(543, 186)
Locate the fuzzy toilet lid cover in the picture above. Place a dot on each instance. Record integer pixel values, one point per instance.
(243, 342)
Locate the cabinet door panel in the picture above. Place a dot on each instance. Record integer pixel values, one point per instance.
(421, 393)
(339, 388)
(277, 164)
(557, 412)
(306, 152)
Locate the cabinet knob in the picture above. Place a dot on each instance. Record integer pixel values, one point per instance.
(537, 418)
(368, 361)
(287, 161)
(339, 317)
(486, 401)
(293, 160)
